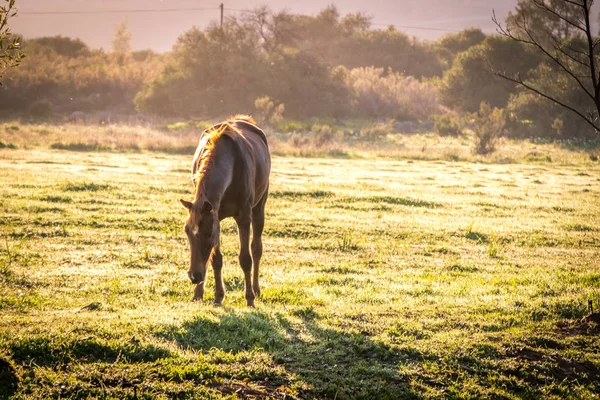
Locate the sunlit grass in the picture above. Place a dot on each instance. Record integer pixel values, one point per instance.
(382, 278)
(181, 138)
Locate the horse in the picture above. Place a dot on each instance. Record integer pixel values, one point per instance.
(230, 172)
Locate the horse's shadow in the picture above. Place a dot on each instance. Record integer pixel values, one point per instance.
(333, 363)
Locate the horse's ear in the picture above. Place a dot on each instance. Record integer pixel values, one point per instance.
(186, 204)
(207, 207)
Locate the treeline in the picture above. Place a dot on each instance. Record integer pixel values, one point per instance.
(61, 75)
(326, 65)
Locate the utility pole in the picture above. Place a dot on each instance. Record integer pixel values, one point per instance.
(221, 7)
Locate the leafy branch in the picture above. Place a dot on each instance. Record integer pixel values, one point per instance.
(562, 53)
(10, 46)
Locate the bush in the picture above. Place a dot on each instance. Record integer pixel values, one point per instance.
(291, 125)
(40, 108)
(321, 134)
(299, 140)
(269, 113)
(390, 95)
(375, 132)
(489, 126)
(448, 124)
(536, 116)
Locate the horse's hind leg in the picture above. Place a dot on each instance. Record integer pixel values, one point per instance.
(258, 223)
(243, 223)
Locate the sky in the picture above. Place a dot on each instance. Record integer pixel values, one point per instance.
(156, 24)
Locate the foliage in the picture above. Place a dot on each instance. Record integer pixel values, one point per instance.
(327, 66)
(451, 44)
(544, 25)
(57, 45)
(387, 48)
(73, 77)
(528, 106)
(377, 131)
(292, 58)
(351, 41)
(561, 32)
(269, 113)
(205, 75)
(10, 53)
(323, 134)
(121, 43)
(379, 94)
(489, 126)
(448, 124)
(471, 80)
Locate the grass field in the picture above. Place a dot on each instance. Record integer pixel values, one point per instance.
(381, 278)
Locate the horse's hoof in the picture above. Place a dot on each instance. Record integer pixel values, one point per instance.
(217, 304)
(196, 298)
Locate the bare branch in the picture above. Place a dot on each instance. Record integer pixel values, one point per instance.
(590, 42)
(519, 81)
(560, 47)
(533, 42)
(542, 5)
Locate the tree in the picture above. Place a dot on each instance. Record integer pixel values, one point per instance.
(121, 43)
(10, 53)
(561, 31)
(540, 21)
(215, 71)
(449, 45)
(535, 116)
(62, 46)
(470, 81)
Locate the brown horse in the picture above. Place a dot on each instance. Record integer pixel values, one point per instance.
(231, 174)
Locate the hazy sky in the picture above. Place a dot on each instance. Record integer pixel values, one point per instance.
(93, 21)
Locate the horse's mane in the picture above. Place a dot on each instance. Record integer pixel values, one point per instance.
(204, 155)
(242, 117)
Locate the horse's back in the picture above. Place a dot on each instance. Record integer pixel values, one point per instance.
(256, 146)
(249, 127)
(246, 146)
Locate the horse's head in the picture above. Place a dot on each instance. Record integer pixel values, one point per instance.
(202, 230)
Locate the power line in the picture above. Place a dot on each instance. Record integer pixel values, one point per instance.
(425, 28)
(146, 10)
(221, 7)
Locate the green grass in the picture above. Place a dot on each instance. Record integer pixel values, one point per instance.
(381, 278)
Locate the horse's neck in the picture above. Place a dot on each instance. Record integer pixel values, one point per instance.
(214, 181)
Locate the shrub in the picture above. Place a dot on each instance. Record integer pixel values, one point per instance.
(375, 132)
(290, 125)
(268, 111)
(321, 134)
(299, 140)
(544, 118)
(489, 126)
(40, 108)
(448, 124)
(7, 146)
(178, 127)
(391, 95)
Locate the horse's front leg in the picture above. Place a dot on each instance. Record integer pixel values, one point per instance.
(199, 291)
(243, 223)
(217, 264)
